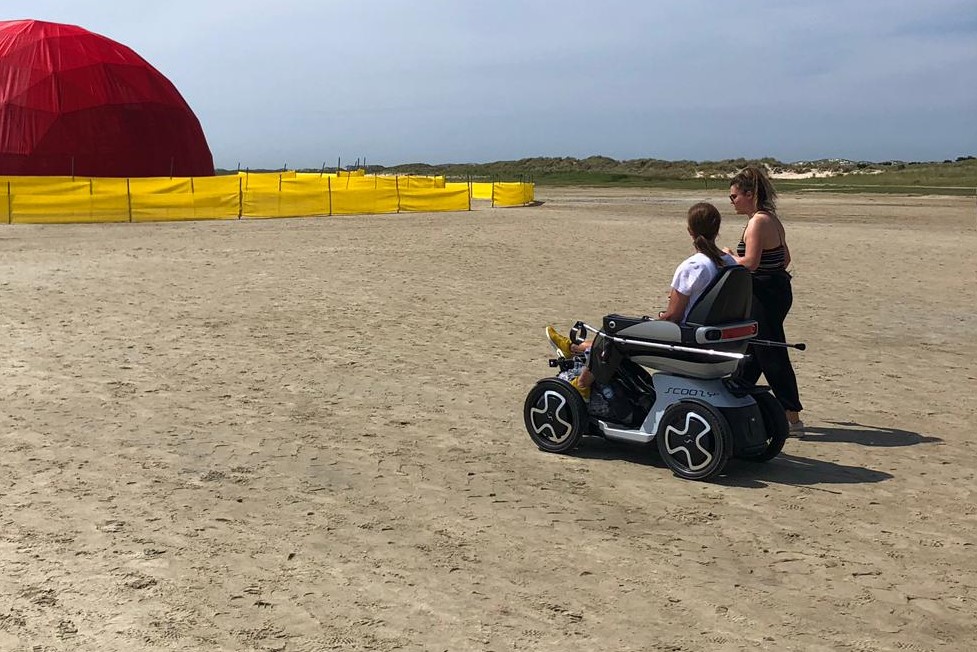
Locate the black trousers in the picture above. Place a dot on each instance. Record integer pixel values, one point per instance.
(772, 298)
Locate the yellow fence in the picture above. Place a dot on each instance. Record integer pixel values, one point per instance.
(501, 193)
(258, 195)
(512, 194)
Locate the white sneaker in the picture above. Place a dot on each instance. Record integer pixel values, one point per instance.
(796, 429)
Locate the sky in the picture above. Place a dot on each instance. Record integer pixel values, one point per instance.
(302, 83)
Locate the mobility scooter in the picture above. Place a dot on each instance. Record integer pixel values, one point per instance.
(692, 405)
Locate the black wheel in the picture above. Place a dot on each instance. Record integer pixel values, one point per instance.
(775, 423)
(556, 415)
(694, 440)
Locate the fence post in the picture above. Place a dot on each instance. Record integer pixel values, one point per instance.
(240, 196)
(329, 190)
(10, 206)
(129, 198)
(397, 181)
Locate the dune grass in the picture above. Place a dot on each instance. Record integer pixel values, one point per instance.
(957, 177)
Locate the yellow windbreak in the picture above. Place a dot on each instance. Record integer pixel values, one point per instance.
(216, 197)
(53, 200)
(365, 201)
(513, 194)
(374, 182)
(286, 197)
(248, 195)
(424, 200)
(164, 199)
(482, 190)
(410, 181)
(501, 193)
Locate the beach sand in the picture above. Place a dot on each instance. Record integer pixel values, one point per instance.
(306, 434)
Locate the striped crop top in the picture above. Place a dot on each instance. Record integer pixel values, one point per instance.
(771, 260)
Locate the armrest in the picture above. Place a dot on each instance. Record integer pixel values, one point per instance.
(652, 329)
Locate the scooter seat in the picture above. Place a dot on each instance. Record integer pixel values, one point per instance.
(719, 321)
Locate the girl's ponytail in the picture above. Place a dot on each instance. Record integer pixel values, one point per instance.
(704, 221)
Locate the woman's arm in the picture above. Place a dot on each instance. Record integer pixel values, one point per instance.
(677, 303)
(753, 237)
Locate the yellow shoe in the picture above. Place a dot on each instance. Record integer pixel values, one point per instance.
(584, 391)
(560, 342)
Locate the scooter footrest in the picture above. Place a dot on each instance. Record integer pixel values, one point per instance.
(565, 364)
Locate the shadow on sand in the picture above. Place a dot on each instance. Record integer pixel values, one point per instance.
(850, 432)
(785, 469)
(797, 471)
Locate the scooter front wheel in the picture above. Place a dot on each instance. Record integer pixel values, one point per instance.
(555, 415)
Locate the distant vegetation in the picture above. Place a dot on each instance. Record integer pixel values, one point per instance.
(957, 177)
(836, 175)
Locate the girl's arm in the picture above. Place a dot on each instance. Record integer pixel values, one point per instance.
(677, 303)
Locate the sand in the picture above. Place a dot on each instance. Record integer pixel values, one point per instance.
(307, 434)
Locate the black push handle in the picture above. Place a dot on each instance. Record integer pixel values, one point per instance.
(800, 346)
(575, 332)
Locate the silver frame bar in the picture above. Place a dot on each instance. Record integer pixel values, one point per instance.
(667, 347)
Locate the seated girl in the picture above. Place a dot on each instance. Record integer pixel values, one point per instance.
(691, 278)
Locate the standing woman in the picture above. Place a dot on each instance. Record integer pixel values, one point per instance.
(763, 250)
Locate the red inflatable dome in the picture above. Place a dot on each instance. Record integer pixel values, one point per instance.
(76, 103)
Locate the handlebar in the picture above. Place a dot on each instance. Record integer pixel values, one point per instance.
(800, 346)
(578, 332)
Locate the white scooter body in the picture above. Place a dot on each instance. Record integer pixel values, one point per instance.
(670, 389)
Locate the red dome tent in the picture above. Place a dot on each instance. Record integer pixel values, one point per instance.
(76, 103)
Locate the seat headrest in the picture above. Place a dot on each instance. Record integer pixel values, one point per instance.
(728, 298)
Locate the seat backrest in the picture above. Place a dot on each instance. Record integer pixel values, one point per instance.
(728, 298)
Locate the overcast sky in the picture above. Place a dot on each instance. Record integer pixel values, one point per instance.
(303, 82)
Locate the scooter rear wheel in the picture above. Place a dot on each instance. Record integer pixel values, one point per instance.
(775, 424)
(694, 440)
(555, 415)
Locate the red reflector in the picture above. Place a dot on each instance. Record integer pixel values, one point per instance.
(739, 331)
